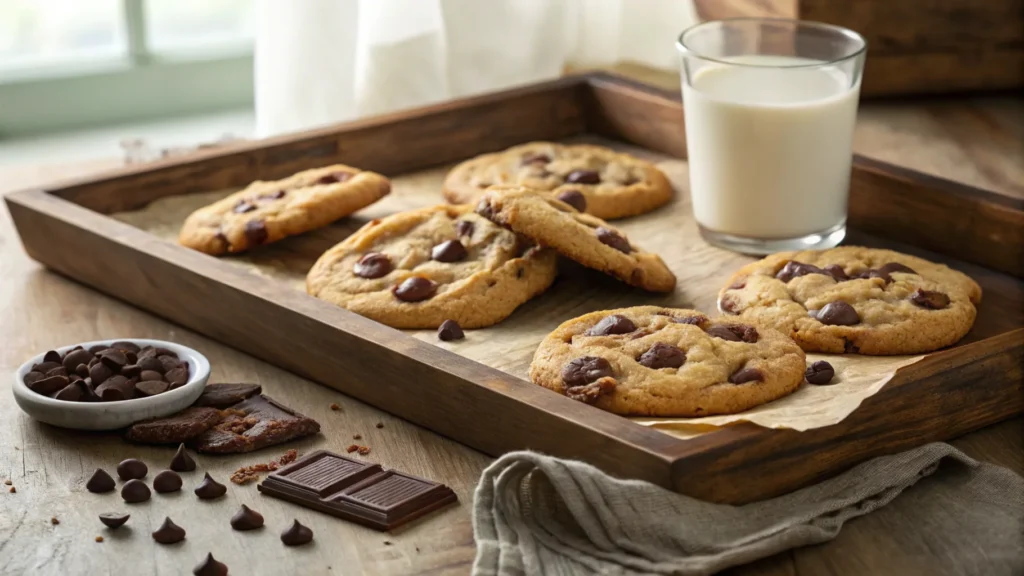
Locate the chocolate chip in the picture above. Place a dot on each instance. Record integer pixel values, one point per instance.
(177, 376)
(794, 269)
(929, 299)
(246, 519)
(536, 158)
(169, 532)
(182, 462)
(746, 375)
(70, 393)
(168, 363)
(82, 371)
(52, 356)
(151, 387)
(574, 198)
(836, 271)
(74, 358)
(255, 232)
(734, 332)
(209, 488)
(151, 375)
(210, 567)
(114, 520)
(838, 314)
(58, 371)
(132, 469)
(583, 177)
(242, 207)
(115, 389)
(130, 371)
(614, 324)
(167, 481)
(450, 330)
(662, 355)
(334, 177)
(872, 273)
(297, 535)
(415, 289)
(896, 267)
(610, 237)
(32, 377)
(449, 251)
(126, 346)
(585, 370)
(464, 228)
(373, 265)
(114, 359)
(100, 482)
(151, 364)
(50, 385)
(45, 367)
(135, 491)
(819, 372)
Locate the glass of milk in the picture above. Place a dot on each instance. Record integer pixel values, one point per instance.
(770, 107)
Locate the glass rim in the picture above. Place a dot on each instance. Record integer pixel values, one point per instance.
(811, 24)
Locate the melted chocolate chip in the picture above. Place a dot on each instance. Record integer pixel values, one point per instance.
(273, 195)
(794, 269)
(373, 265)
(114, 520)
(896, 267)
(246, 519)
(836, 271)
(182, 462)
(614, 324)
(738, 284)
(450, 330)
(100, 482)
(464, 228)
(222, 239)
(132, 469)
(210, 567)
(734, 332)
(929, 299)
(334, 177)
(536, 159)
(729, 304)
(574, 198)
(838, 314)
(209, 488)
(297, 535)
(449, 251)
(744, 375)
(692, 320)
(255, 232)
(583, 177)
(612, 238)
(662, 355)
(583, 371)
(169, 532)
(415, 289)
(167, 481)
(242, 207)
(819, 372)
(589, 393)
(135, 491)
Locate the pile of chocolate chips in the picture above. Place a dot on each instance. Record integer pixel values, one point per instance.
(120, 371)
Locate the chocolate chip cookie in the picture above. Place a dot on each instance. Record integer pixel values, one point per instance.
(584, 238)
(855, 300)
(594, 179)
(417, 269)
(666, 362)
(266, 212)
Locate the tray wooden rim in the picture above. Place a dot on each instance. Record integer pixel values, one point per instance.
(628, 448)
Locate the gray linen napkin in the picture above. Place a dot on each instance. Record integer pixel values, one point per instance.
(534, 514)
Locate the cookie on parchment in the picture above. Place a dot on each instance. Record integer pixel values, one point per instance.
(267, 211)
(419, 268)
(855, 300)
(666, 362)
(594, 179)
(581, 237)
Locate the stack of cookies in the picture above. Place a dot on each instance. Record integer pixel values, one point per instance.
(471, 263)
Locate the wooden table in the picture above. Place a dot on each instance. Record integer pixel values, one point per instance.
(977, 141)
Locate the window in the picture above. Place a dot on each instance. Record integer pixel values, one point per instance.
(71, 63)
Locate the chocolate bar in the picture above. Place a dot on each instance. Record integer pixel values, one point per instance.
(356, 491)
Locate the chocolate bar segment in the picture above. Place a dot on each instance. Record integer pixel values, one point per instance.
(356, 491)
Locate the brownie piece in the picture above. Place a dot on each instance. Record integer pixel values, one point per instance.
(226, 395)
(175, 429)
(254, 423)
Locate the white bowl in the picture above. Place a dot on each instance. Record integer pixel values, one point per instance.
(113, 415)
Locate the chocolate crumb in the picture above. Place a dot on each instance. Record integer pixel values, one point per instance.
(54, 521)
(11, 490)
(351, 448)
(99, 538)
(335, 407)
(380, 424)
(387, 542)
(357, 436)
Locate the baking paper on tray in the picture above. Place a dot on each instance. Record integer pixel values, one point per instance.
(857, 378)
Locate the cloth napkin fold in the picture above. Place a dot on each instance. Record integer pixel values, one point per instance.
(534, 514)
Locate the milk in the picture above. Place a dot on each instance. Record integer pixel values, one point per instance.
(769, 148)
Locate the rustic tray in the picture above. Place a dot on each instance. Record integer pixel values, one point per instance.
(477, 395)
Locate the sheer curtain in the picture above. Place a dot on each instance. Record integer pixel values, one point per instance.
(324, 61)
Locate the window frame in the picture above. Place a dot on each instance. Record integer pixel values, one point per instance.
(160, 85)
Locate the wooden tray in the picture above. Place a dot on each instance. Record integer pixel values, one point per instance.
(477, 395)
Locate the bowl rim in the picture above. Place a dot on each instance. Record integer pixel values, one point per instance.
(199, 367)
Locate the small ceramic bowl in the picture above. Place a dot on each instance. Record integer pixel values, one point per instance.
(113, 415)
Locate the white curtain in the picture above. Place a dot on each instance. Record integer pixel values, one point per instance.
(325, 61)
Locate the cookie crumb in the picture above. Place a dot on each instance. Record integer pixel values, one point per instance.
(364, 450)
(8, 482)
(417, 548)
(54, 521)
(351, 448)
(251, 473)
(357, 436)
(99, 538)
(335, 407)
(387, 542)
(380, 424)
(12, 490)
